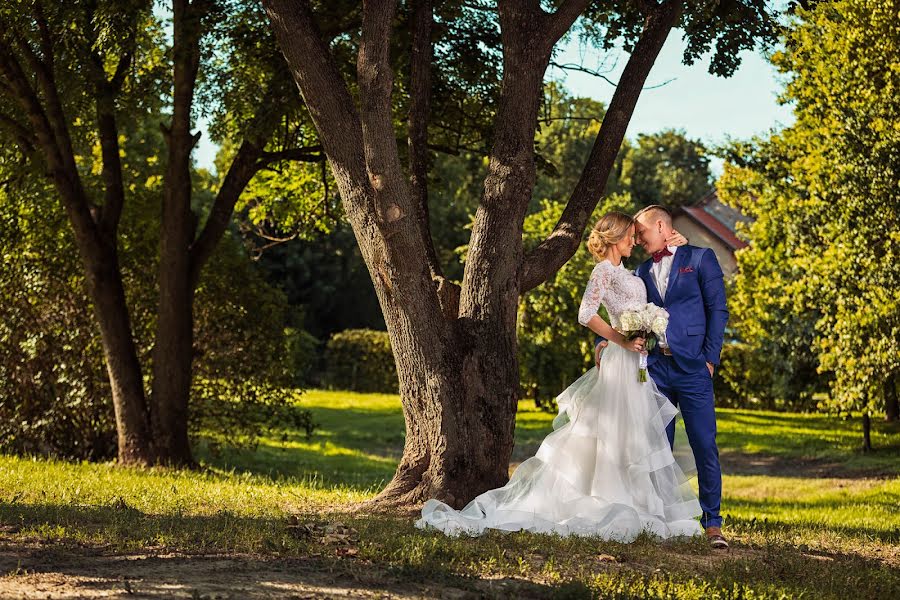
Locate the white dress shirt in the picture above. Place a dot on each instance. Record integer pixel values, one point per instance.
(659, 272)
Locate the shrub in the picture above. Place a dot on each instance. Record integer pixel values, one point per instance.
(360, 360)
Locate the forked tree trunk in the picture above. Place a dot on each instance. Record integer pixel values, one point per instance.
(459, 390)
(454, 346)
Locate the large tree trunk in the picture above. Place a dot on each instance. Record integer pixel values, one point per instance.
(455, 347)
(460, 424)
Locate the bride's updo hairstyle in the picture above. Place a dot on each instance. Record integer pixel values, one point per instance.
(608, 231)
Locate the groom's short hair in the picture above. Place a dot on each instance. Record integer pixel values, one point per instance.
(657, 212)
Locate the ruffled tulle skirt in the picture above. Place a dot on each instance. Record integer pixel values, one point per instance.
(605, 470)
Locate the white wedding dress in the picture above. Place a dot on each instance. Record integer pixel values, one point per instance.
(606, 469)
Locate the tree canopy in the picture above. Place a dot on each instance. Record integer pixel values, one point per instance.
(825, 194)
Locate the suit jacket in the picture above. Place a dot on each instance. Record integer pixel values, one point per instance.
(695, 300)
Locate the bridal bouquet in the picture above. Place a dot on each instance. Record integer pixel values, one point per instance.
(649, 322)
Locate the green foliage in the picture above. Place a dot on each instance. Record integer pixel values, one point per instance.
(567, 128)
(727, 26)
(360, 360)
(820, 277)
(54, 394)
(326, 282)
(666, 168)
(302, 357)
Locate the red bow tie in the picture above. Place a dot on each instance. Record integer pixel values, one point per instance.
(658, 256)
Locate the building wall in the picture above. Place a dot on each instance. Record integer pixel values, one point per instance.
(699, 236)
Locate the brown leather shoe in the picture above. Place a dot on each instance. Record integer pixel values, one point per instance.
(716, 539)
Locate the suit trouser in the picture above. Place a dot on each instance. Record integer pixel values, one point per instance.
(692, 393)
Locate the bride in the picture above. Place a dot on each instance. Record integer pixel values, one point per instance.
(606, 469)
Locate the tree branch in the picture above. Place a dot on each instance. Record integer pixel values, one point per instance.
(560, 21)
(61, 165)
(54, 112)
(546, 259)
(392, 203)
(304, 154)
(25, 138)
(583, 69)
(244, 166)
(20, 89)
(420, 105)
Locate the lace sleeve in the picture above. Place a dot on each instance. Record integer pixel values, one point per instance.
(593, 294)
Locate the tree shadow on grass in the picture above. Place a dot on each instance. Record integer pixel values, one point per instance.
(95, 551)
(84, 550)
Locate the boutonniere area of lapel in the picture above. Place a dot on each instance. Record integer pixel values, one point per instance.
(686, 270)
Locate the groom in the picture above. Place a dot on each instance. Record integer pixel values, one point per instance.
(687, 282)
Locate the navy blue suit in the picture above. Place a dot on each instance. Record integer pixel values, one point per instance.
(695, 300)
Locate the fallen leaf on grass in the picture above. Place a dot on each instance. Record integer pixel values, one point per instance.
(606, 558)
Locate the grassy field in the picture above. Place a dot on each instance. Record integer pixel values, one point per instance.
(809, 516)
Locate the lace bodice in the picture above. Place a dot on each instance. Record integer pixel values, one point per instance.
(616, 288)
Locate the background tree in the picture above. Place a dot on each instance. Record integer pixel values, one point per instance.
(666, 168)
(825, 193)
(455, 344)
(74, 78)
(54, 391)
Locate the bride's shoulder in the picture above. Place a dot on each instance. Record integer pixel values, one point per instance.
(602, 267)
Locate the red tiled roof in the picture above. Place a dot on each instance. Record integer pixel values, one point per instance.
(711, 224)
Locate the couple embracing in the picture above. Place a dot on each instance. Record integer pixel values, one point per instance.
(608, 468)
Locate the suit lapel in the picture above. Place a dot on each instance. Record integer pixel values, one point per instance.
(678, 261)
(652, 292)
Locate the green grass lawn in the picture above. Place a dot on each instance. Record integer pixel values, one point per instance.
(809, 515)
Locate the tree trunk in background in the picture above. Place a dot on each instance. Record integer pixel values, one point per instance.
(867, 432)
(173, 350)
(122, 366)
(891, 405)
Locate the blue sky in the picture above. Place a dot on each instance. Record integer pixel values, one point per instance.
(705, 106)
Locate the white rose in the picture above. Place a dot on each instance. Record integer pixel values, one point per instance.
(630, 321)
(659, 326)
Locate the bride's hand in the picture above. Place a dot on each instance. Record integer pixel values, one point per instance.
(676, 239)
(635, 345)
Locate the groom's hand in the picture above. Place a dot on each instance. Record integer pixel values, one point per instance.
(598, 351)
(711, 368)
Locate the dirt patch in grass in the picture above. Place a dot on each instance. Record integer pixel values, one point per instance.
(33, 570)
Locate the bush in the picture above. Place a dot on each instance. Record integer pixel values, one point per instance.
(360, 360)
(303, 357)
(753, 378)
